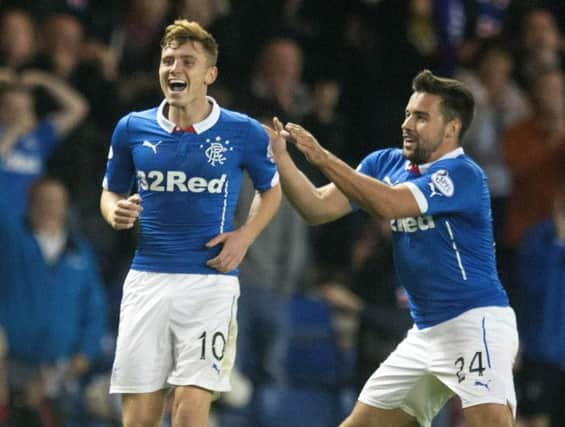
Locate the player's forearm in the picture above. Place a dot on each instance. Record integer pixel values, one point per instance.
(263, 208)
(373, 196)
(8, 140)
(108, 200)
(302, 194)
(73, 106)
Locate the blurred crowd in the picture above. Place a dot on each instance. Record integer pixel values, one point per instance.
(320, 307)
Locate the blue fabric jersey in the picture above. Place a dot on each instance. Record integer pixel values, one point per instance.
(444, 258)
(189, 182)
(25, 163)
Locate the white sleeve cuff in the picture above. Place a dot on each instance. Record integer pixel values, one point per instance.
(419, 196)
(275, 180)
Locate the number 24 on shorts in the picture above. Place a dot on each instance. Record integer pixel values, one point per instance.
(476, 365)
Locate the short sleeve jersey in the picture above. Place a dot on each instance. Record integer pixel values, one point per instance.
(445, 257)
(189, 182)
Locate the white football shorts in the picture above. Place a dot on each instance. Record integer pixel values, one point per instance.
(175, 330)
(470, 355)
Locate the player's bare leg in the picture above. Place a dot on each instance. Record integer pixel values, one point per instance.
(489, 415)
(191, 407)
(368, 416)
(534, 421)
(143, 409)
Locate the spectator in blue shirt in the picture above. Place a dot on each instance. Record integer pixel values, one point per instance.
(541, 319)
(26, 142)
(52, 303)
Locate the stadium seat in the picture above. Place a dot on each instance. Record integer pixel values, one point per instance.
(312, 358)
(296, 407)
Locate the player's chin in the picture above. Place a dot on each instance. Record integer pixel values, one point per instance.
(176, 99)
(408, 153)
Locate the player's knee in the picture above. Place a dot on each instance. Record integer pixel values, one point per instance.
(489, 415)
(141, 420)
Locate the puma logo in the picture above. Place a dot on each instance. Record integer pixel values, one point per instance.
(151, 145)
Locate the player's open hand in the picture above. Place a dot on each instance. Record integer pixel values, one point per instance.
(126, 212)
(233, 250)
(307, 144)
(277, 137)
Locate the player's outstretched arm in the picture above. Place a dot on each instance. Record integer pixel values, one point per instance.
(373, 196)
(119, 210)
(235, 243)
(315, 205)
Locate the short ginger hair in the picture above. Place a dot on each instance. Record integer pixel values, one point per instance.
(182, 31)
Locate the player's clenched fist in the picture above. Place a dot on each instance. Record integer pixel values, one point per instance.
(125, 212)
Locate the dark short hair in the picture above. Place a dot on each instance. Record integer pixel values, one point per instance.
(457, 101)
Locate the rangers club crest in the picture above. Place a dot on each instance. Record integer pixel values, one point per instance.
(215, 150)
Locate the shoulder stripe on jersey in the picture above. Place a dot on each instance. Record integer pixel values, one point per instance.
(456, 249)
(419, 196)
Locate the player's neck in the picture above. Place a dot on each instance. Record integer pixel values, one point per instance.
(443, 149)
(187, 115)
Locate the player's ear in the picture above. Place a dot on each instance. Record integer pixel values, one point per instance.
(211, 75)
(453, 128)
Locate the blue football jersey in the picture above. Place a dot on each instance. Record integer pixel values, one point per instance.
(188, 181)
(24, 163)
(445, 257)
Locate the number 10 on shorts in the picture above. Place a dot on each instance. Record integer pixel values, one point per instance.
(218, 345)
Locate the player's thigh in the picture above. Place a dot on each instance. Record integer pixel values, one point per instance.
(474, 356)
(489, 415)
(368, 416)
(403, 381)
(143, 350)
(143, 409)
(191, 406)
(204, 329)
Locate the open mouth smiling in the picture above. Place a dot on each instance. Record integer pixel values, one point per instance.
(177, 85)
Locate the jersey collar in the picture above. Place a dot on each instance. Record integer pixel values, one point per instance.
(424, 168)
(199, 127)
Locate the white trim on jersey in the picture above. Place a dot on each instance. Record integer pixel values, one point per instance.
(199, 127)
(275, 180)
(451, 155)
(419, 196)
(456, 249)
(225, 207)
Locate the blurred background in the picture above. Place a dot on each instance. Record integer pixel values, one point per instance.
(320, 307)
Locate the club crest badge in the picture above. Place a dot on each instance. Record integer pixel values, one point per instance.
(215, 150)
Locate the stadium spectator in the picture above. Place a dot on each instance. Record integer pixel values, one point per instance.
(276, 84)
(534, 149)
(459, 331)
(27, 141)
(52, 303)
(500, 103)
(541, 319)
(177, 323)
(540, 46)
(17, 39)
(87, 65)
